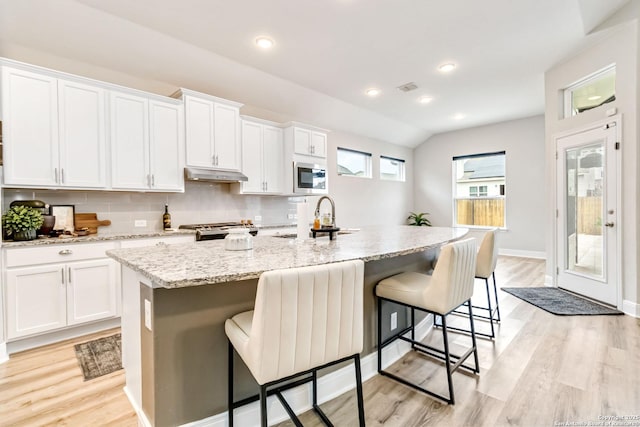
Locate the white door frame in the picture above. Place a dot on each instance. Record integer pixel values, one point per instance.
(619, 220)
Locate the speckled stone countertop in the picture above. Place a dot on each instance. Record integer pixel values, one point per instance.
(94, 238)
(207, 262)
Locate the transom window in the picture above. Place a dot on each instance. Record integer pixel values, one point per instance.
(590, 92)
(354, 163)
(392, 169)
(479, 190)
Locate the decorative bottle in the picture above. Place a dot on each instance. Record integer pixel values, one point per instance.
(166, 218)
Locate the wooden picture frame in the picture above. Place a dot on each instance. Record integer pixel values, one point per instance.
(64, 217)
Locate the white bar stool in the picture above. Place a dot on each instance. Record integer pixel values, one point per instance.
(304, 319)
(450, 286)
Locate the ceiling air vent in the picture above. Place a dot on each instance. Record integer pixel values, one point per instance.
(408, 87)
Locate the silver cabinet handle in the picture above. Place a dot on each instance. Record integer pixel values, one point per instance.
(217, 160)
(266, 186)
(66, 252)
(69, 274)
(55, 174)
(62, 272)
(62, 176)
(153, 180)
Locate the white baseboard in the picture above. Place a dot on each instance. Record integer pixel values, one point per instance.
(143, 421)
(631, 308)
(523, 254)
(329, 387)
(4, 355)
(61, 335)
(548, 281)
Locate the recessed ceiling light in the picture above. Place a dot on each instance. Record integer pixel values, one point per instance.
(264, 42)
(425, 99)
(594, 98)
(373, 92)
(458, 116)
(446, 68)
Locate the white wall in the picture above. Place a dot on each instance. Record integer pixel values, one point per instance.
(620, 47)
(370, 201)
(523, 142)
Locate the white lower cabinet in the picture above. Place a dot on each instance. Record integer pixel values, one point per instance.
(47, 297)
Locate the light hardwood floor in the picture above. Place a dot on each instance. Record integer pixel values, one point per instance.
(540, 370)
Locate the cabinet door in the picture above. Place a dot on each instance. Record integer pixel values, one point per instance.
(199, 132)
(302, 141)
(91, 291)
(166, 146)
(227, 138)
(30, 128)
(82, 135)
(252, 157)
(273, 148)
(36, 300)
(319, 144)
(129, 142)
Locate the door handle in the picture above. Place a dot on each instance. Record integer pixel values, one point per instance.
(608, 224)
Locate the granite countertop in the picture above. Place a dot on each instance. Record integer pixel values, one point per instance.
(94, 238)
(207, 262)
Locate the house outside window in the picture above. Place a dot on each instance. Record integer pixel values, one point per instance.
(479, 190)
(354, 163)
(392, 169)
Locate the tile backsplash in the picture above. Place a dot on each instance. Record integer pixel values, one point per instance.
(200, 203)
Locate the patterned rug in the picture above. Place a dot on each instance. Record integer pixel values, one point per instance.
(562, 303)
(100, 357)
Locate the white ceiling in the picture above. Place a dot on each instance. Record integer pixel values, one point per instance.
(327, 53)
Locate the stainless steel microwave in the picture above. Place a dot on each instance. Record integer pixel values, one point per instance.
(309, 178)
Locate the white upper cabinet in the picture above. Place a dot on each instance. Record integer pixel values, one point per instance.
(306, 140)
(81, 112)
(262, 157)
(146, 143)
(212, 131)
(54, 131)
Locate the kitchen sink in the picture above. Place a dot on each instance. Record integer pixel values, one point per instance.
(294, 235)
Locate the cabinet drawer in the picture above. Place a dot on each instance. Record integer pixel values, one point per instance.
(17, 257)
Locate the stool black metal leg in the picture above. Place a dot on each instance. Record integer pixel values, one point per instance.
(495, 292)
(263, 406)
(473, 339)
(230, 383)
(359, 391)
(379, 334)
(413, 325)
(486, 284)
(447, 357)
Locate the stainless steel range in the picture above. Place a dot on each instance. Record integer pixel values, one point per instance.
(216, 230)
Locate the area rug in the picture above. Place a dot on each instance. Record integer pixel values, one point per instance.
(562, 303)
(100, 357)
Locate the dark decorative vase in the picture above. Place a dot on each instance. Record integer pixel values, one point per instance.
(24, 235)
(47, 225)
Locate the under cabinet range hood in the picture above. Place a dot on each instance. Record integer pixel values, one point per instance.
(213, 175)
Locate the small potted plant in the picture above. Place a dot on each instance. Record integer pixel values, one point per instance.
(21, 222)
(419, 219)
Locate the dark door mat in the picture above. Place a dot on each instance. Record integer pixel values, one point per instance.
(562, 303)
(100, 357)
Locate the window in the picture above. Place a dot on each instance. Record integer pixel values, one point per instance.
(479, 190)
(354, 163)
(391, 169)
(591, 92)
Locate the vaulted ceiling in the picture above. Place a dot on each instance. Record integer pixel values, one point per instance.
(326, 54)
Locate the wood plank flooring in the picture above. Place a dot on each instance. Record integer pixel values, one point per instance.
(540, 370)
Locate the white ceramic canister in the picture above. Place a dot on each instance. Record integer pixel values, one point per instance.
(238, 239)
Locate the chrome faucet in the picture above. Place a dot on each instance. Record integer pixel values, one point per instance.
(333, 209)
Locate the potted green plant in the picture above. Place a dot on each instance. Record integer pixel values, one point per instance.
(21, 222)
(419, 219)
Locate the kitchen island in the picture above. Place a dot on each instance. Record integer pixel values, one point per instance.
(176, 299)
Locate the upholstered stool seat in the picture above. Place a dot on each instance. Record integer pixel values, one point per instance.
(450, 286)
(304, 319)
